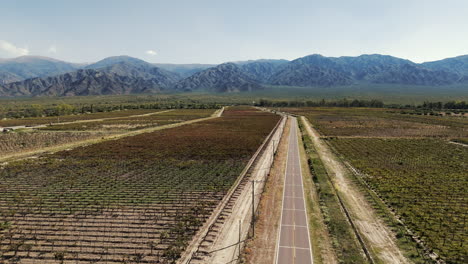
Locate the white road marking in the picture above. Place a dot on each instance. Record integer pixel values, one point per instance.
(292, 162)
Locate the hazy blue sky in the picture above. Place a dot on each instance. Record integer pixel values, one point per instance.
(215, 31)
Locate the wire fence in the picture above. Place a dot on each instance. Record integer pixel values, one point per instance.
(257, 179)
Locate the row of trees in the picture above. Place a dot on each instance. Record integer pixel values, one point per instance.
(362, 103)
(38, 110)
(338, 103)
(447, 105)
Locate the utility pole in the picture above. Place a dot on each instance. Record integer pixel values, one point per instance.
(239, 243)
(253, 204)
(253, 208)
(273, 152)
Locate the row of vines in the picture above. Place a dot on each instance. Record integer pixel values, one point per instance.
(25, 141)
(34, 121)
(424, 180)
(409, 161)
(135, 122)
(138, 199)
(381, 122)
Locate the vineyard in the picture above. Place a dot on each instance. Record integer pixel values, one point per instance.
(138, 199)
(24, 141)
(424, 180)
(135, 122)
(30, 107)
(34, 121)
(409, 161)
(373, 122)
(54, 135)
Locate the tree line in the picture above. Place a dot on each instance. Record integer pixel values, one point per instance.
(362, 103)
(337, 103)
(38, 110)
(447, 105)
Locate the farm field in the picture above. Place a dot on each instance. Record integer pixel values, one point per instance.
(382, 122)
(22, 108)
(139, 199)
(135, 122)
(424, 180)
(28, 139)
(410, 163)
(15, 142)
(35, 121)
(345, 244)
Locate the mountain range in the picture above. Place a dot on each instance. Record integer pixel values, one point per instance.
(41, 76)
(226, 77)
(25, 67)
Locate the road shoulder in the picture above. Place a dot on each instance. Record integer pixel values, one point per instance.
(319, 235)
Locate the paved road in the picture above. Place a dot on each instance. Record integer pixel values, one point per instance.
(294, 240)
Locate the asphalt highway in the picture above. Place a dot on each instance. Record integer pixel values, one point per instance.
(294, 240)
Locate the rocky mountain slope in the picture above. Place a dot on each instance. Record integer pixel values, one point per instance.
(458, 65)
(227, 77)
(135, 68)
(261, 70)
(317, 70)
(314, 70)
(184, 70)
(121, 78)
(25, 67)
(124, 74)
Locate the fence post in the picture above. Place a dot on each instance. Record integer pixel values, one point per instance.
(253, 208)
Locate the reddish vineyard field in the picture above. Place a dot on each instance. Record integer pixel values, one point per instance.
(138, 199)
(34, 121)
(410, 163)
(24, 141)
(377, 122)
(425, 180)
(136, 122)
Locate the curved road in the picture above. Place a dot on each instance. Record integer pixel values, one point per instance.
(294, 239)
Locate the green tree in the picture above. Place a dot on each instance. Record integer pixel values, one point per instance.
(37, 110)
(64, 109)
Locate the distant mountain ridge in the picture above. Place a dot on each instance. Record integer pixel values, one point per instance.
(117, 75)
(25, 67)
(457, 65)
(184, 70)
(135, 68)
(262, 70)
(36, 76)
(317, 70)
(226, 77)
(313, 70)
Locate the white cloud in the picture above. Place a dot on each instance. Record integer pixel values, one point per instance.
(52, 49)
(11, 49)
(151, 52)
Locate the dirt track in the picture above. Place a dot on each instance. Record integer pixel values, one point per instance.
(379, 239)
